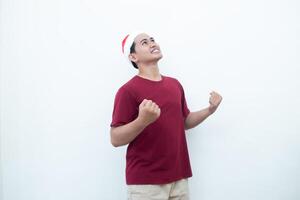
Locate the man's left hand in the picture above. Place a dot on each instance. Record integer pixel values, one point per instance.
(214, 101)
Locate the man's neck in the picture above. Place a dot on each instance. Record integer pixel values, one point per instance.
(150, 71)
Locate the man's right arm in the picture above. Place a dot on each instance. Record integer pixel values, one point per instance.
(122, 135)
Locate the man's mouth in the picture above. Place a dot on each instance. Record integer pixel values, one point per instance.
(155, 51)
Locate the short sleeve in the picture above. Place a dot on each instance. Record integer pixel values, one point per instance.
(185, 109)
(125, 108)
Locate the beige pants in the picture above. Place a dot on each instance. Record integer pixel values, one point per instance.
(177, 190)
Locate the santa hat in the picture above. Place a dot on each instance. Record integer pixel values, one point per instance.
(128, 41)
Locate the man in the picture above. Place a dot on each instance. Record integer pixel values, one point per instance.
(151, 115)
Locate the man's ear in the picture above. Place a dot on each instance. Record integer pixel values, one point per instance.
(132, 57)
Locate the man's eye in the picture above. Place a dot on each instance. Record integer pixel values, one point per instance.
(144, 43)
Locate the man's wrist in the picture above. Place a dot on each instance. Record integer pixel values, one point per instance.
(210, 110)
(140, 123)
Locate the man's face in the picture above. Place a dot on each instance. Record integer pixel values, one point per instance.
(146, 49)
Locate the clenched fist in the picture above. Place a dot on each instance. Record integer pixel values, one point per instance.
(148, 111)
(214, 101)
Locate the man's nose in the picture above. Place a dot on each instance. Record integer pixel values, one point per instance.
(153, 44)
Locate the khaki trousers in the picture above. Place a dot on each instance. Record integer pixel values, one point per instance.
(178, 190)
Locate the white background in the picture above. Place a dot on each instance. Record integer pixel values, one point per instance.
(61, 66)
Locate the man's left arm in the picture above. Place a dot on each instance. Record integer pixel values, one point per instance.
(195, 118)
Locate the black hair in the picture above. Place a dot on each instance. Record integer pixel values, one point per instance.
(132, 50)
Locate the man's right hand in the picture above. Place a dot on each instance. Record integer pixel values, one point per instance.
(148, 112)
(124, 134)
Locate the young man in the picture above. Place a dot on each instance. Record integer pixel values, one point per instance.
(151, 115)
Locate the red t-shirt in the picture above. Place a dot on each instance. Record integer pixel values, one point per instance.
(159, 154)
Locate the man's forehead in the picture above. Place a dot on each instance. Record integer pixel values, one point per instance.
(141, 36)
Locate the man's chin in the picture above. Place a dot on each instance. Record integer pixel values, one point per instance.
(155, 59)
(159, 57)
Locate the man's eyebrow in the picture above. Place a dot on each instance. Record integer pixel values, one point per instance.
(151, 38)
(143, 40)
